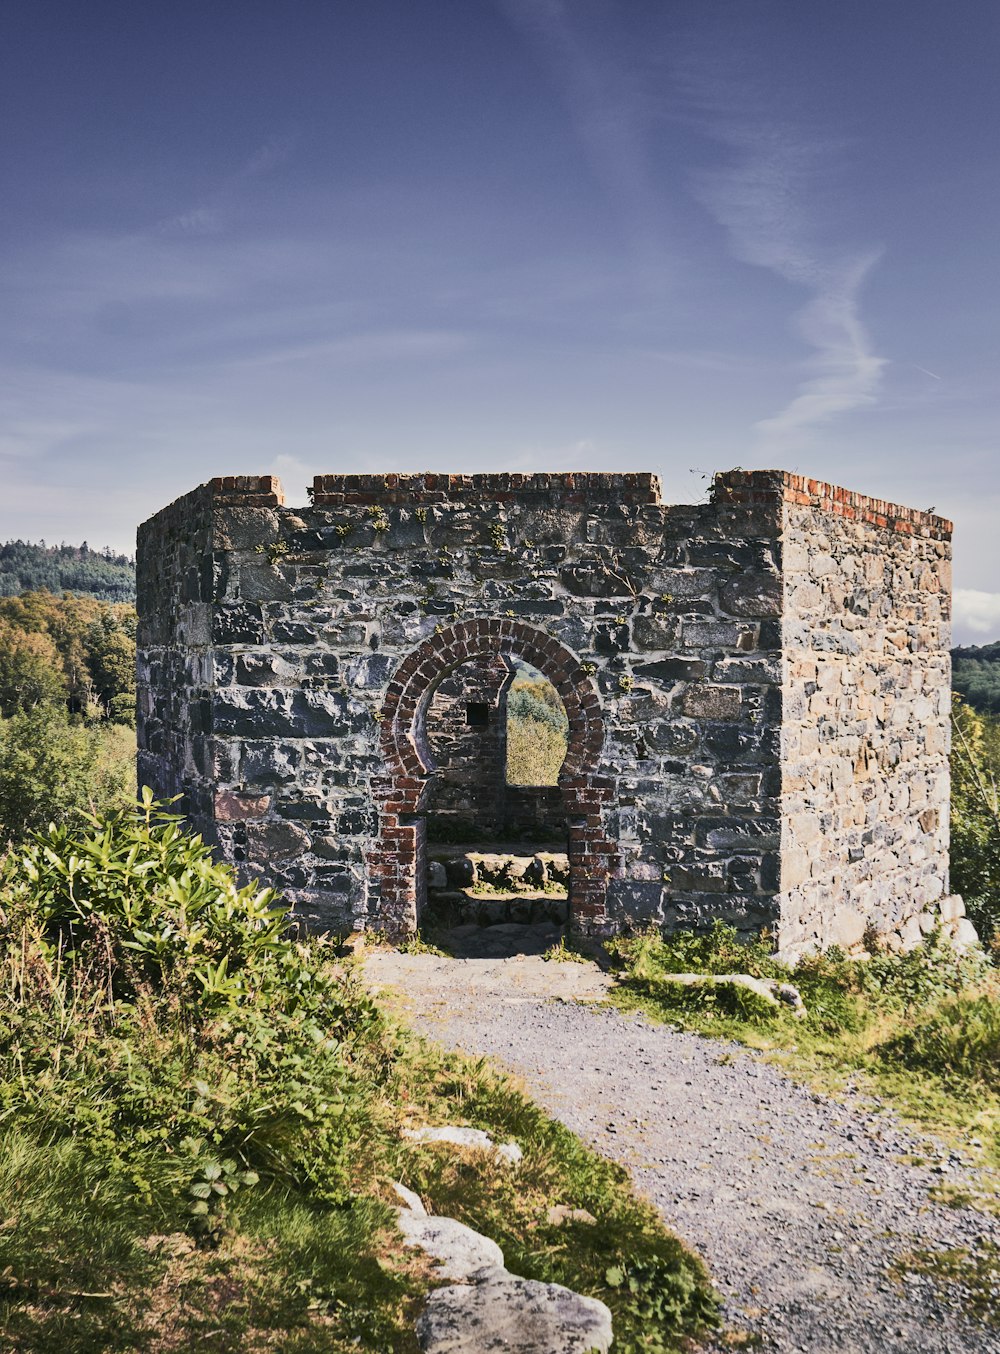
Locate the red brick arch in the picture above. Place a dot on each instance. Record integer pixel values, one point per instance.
(397, 864)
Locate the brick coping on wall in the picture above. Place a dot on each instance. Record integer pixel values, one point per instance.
(248, 491)
(771, 486)
(567, 487)
(728, 487)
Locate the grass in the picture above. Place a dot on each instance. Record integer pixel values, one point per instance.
(85, 1265)
(201, 1121)
(968, 1279)
(567, 951)
(535, 751)
(88, 1261)
(921, 1030)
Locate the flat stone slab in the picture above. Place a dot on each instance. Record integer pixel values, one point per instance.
(501, 1311)
(458, 1250)
(460, 1136)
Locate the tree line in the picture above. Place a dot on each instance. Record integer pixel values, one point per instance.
(27, 567)
(976, 676)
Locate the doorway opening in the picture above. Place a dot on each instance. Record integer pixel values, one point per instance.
(445, 791)
(497, 836)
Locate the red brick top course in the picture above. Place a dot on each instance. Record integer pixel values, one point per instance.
(736, 487)
(568, 488)
(248, 491)
(770, 486)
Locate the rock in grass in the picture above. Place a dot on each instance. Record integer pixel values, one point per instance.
(411, 1200)
(770, 991)
(459, 1250)
(466, 1137)
(501, 1311)
(562, 1213)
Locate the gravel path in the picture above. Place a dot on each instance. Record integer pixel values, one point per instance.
(798, 1203)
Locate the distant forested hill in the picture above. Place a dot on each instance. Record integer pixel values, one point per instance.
(66, 568)
(976, 676)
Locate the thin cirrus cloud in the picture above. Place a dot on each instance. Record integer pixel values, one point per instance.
(761, 201)
(211, 216)
(606, 110)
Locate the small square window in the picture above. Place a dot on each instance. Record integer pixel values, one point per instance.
(477, 714)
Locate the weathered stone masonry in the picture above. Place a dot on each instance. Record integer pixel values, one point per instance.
(757, 688)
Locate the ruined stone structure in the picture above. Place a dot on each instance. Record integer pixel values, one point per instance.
(757, 688)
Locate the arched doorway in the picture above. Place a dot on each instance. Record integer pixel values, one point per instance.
(397, 863)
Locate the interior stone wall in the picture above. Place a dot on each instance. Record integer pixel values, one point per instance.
(288, 657)
(470, 773)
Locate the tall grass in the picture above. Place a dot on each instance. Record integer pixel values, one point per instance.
(537, 729)
(200, 1118)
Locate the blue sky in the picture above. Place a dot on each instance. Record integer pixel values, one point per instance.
(676, 235)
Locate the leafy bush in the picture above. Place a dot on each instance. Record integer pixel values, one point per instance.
(197, 1115)
(152, 1005)
(159, 907)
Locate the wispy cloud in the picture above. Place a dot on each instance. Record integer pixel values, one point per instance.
(606, 106)
(211, 216)
(393, 345)
(764, 199)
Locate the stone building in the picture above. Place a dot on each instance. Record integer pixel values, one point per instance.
(757, 690)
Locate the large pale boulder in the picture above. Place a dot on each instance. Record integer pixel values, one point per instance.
(501, 1311)
(458, 1250)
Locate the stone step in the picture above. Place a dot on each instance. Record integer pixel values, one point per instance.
(463, 907)
(500, 870)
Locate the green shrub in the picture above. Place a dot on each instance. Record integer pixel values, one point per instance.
(975, 816)
(720, 949)
(151, 1003)
(162, 909)
(198, 1114)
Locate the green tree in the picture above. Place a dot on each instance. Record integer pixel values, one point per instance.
(95, 642)
(31, 671)
(51, 766)
(110, 646)
(975, 816)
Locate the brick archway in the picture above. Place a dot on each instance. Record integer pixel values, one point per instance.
(397, 862)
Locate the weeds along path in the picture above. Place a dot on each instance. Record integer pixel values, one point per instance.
(801, 1206)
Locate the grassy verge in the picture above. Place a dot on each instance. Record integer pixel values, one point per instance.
(920, 1030)
(200, 1121)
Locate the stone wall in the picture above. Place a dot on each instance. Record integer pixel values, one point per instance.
(294, 716)
(866, 727)
(467, 739)
(866, 717)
